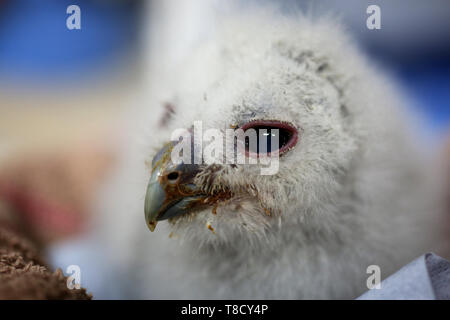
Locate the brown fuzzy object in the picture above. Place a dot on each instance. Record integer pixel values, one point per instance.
(23, 271)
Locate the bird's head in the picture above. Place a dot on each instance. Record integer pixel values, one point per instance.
(253, 78)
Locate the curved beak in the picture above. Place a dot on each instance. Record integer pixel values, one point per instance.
(170, 191)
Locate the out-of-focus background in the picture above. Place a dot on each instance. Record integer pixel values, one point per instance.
(64, 93)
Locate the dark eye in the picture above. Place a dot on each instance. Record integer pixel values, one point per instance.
(271, 136)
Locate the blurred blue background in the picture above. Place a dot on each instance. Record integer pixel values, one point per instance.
(36, 48)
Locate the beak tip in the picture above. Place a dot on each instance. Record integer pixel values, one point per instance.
(152, 225)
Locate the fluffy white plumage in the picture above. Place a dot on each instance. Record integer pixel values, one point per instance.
(353, 192)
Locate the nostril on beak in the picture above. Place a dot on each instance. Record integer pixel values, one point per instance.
(173, 176)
